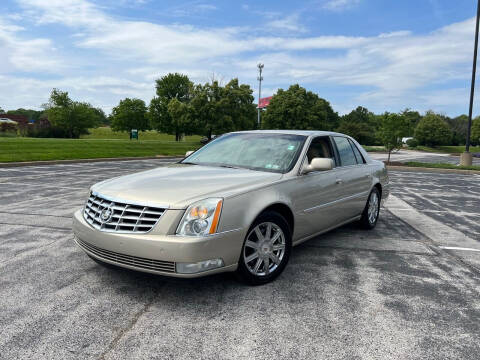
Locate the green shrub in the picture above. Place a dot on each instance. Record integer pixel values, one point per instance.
(432, 130)
(412, 143)
(8, 129)
(475, 135)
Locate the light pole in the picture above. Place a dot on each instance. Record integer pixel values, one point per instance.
(466, 157)
(260, 78)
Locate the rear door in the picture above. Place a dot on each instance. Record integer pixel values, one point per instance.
(353, 178)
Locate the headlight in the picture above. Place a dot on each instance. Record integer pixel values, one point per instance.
(201, 218)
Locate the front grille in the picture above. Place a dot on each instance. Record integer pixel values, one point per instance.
(143, 263)
(117, 216)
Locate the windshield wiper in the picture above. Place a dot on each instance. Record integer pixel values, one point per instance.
(228, 166)
(188, 163)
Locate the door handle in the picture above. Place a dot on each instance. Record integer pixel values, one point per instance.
(339, 181)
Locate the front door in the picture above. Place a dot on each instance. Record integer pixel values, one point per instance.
(315, 193)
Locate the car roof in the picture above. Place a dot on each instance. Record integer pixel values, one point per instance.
(292, 132)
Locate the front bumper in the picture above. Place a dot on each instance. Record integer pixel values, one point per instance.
(157, 253)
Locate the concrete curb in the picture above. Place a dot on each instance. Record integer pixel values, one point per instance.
(435, 170)
(77, 161)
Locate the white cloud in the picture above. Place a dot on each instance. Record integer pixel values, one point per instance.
(339, 5)
(289, 23)
(101, 91)
(26, 55)
(192, 8)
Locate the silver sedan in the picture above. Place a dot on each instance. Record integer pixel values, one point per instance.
(239, 204)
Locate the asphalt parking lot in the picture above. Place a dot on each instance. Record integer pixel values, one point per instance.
(402, 291)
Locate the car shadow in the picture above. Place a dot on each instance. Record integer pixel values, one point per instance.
(308, 263)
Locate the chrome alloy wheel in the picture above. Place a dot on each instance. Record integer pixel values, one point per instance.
(373, 208)
(264, 249)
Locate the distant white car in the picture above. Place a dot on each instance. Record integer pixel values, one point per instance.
(205, 139)
(5, 120)
(405, 139)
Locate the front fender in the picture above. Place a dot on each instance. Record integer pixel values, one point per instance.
(240, 211)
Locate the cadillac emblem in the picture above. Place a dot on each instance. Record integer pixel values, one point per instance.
(106, 215)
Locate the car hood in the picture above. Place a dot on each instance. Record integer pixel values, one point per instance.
(178, 185)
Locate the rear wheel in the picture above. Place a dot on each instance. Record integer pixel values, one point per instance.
(266, 249)
(372, 209)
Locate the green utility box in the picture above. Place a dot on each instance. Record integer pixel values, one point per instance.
(133, 134)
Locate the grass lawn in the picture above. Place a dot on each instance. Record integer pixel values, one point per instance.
(448, 149)
(374, 148)
(105, 132)
(31, 149)
(440, 165)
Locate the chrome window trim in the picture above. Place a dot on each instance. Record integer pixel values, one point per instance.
(302, 162)
(336, 201)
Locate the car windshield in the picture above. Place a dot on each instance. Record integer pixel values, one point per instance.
(256, 151)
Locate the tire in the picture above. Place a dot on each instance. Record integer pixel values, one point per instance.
(262, 260)
(372, 210)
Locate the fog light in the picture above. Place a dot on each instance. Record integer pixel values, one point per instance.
(192, 268)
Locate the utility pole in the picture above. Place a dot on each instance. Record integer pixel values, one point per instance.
(260, 78)
(466, 157)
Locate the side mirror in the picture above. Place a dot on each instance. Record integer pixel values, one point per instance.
(318, 164)
(188, 153)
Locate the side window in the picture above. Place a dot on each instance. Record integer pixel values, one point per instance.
(358, 155)
(347, 157)
(320, 148)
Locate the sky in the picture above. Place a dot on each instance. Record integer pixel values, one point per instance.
(386, 55)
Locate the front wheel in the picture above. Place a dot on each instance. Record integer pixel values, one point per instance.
(266, 249)
(372, 209)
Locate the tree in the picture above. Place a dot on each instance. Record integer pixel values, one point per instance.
(458, 126)
(101, 117)
(70, 118)
(297, 108)
(207, 109)
(475, 134)
(130, 114)
(174, 86)
(217, 109)
(237, 103)
(159, 118)
(412, 118)
(169, 87)
(29, 113)
(179, 113)
(433, 130)
(392, 128)
(359, 124)
(2, 111)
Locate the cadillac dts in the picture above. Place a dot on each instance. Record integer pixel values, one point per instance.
(238, 204)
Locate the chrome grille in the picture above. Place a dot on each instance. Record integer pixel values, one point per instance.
(123, 217)
(143, 263)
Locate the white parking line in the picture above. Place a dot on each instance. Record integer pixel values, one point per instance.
(458, 248)
(440, 233)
